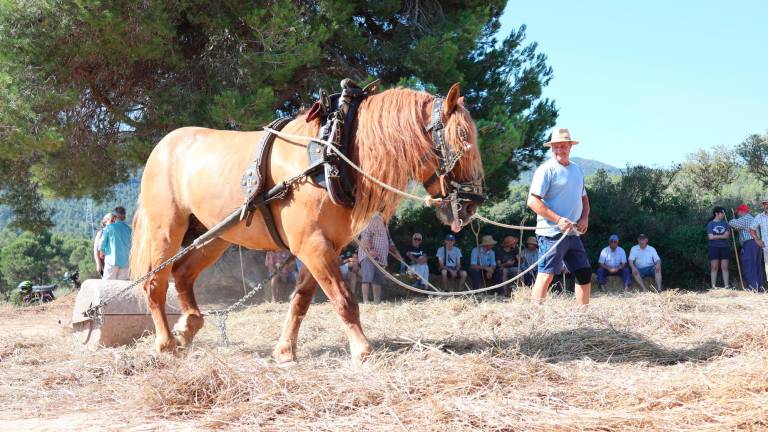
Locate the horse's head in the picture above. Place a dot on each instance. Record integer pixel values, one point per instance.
(455, 178)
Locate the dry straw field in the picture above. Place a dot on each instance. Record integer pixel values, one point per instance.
(675, 361)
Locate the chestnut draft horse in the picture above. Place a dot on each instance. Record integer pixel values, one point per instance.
(192, 181)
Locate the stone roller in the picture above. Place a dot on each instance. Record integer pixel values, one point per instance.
(126, 316)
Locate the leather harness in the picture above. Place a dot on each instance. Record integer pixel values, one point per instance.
(338, 114)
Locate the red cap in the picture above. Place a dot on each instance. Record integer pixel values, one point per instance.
(742, 208)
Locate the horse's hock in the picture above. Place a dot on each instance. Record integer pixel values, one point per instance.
(125, 317)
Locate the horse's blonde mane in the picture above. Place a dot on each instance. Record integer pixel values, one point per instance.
(391, 144)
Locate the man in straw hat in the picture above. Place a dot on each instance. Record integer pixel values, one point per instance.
(559, 198)
(759, 231)
(482, 263)
(751, 255)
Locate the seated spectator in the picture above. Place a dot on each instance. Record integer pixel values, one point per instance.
(449, 262)
(507, 259)
(273, 261)
(613, 262)
(528, 258)
(417, 261)
(350, 270)
(483, 263)
(645, 262)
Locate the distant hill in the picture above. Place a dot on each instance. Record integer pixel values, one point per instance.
(589, 166)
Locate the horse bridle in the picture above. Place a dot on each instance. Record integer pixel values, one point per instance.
(450, 190)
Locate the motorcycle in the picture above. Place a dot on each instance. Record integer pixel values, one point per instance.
(31, 294)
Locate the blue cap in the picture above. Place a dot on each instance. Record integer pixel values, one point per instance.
(450, 237)
(613, 237)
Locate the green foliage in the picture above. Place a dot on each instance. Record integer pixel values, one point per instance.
(42, 258)
(709, 172)
(88, 87)
(754, 152)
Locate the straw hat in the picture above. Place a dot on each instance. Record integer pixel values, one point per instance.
(560, 135)
(532, 240)
(487, 241)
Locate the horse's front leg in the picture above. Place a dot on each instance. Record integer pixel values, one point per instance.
(306, 285)
(320, 258)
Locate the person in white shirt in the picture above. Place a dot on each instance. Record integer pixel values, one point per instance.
(613, 262)
(645, 262)
(759, 231)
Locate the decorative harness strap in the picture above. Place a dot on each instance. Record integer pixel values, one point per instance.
(254, 180)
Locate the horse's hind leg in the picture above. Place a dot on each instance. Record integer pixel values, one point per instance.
(185, 272)
(306, 285)
(166, 240)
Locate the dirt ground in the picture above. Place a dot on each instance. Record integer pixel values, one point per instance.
(674, 361)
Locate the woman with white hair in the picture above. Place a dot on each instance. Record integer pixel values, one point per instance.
(98, 257)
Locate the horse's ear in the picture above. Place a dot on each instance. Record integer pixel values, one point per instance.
(451, 100)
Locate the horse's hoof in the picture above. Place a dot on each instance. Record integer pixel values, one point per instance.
(284, 353)
(360, 356)
(165, 346)
(186, 328)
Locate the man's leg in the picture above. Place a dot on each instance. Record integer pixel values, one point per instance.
(376, 293)
(462, 279)
(724, 269)
(476, 276)
(124, 273)
(583, 287)
(657, 270)
(639, 279)
(626, 276)
(273, 287)
(444, 278)
(423, 271)
(540, 286)
(601, 279)
(714, 264)
(110, 272)
(364, 288)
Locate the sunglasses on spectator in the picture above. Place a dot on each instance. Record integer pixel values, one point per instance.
(417, 238)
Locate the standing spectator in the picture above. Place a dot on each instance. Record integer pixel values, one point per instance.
(98, 257)
(613, 262)
(350, 270)
(645, 262)
(507, 259)
(417, 260)
(751, 256)
(449, 262)
(482, 263)
(115, 244)
(559, 198)
(719, 250)
(759, 231)
(528, 258)
(273, 261)
(375, 243)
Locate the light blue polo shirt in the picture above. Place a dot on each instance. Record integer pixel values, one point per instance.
(561, 188)
(116, 244)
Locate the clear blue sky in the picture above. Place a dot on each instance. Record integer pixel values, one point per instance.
(650, 82)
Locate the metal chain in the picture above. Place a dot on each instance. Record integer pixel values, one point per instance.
(221, 315)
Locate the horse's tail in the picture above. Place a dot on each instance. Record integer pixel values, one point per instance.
(140, 261)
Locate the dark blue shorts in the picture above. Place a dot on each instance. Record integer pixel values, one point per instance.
(570, 251)
(719, 252)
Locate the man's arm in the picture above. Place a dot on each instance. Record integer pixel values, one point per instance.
(758, 240)
(536, 204)
(474, 260)
(583, 224)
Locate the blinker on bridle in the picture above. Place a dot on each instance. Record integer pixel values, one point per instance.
(450, 190)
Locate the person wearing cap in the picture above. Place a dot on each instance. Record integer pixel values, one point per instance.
(559, 198)
(645, 262)
(759, 231)
(613, 262)
(417, 260)
(719, 249)
(528, 258)
(751, 255)
(449, 262)
(507, 259)
(482, 263)
(115, 244)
